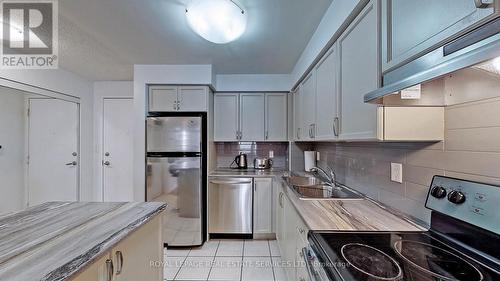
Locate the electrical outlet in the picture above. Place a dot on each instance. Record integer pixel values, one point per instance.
(271, 154)
(318, 157)
(397, 172)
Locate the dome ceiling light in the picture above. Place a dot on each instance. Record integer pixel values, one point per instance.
(218, 21)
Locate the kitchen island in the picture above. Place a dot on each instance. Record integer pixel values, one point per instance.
(82, 241)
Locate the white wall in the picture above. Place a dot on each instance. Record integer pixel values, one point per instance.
(253, 82)
(158, 74)
(105, 89)
(66, 83)
(12, 137)
(336, 14)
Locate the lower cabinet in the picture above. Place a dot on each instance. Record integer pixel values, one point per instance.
(291, 233)
(137, 257)
(262, 206)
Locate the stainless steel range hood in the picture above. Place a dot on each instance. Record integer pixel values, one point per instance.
(477, 46)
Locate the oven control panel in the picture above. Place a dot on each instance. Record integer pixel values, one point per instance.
(472, 202)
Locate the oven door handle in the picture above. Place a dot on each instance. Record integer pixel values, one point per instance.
(313, 276)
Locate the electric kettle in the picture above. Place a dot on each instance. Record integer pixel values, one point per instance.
(240, 161)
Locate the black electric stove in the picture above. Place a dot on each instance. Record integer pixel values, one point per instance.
(454, 249)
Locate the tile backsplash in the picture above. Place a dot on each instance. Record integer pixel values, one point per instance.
(471, 150)
(227, 151)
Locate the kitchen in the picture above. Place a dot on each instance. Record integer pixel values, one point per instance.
(359, 143)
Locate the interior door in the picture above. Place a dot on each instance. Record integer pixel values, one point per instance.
(53, 168)
(252, 117)
(117, 150)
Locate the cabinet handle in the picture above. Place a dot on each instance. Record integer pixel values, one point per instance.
(314, 130)
(241, 135)
(109, 270)
(481, 5)
(119, 259)
(178, 105)
(298, 133)
(267, 135)
(175, 105)
(335, 126)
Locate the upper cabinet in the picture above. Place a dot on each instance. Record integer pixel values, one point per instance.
(226, 117)
(308, 106)
(252, 113)
(359, 73)
(326, 125)
(250, 117)
(166, 98)
(410, 28)
(297, 115)
(276, 117)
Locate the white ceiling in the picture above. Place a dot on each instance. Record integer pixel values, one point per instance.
(103, 39)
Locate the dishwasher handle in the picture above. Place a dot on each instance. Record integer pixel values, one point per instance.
(230, 182)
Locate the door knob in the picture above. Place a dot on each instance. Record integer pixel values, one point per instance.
(71, 163)
(106, 163)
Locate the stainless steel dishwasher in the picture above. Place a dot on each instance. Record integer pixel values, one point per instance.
(230, 205)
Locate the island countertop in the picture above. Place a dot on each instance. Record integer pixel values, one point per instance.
(55, 240)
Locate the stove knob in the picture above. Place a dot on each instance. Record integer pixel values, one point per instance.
(438, 192)
(456, 197)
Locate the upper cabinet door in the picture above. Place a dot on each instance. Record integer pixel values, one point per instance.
(410, 28)
(226, 121)
(193, 98)
(359, 74)
(276, 117)
(326, 96)
(163, 98)
(308, 106)
(297, 115)
(252, 117)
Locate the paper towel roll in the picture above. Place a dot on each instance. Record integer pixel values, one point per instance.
(309, 160)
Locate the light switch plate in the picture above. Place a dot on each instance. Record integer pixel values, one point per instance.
(271, 153)
(397, 172)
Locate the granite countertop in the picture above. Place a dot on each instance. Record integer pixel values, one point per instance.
(250, 172)
(53, 241)
(348, 215)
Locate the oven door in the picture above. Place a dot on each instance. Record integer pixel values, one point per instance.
(314, 266)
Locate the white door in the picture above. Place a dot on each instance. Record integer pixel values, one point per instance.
(53, 166)
(276, 117)
(193, 98)
(252, 117)
(226, 117)
(117, 150)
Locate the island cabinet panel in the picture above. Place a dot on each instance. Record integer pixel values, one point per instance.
(137, 257)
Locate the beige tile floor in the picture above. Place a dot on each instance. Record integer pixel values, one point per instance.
(222, 260)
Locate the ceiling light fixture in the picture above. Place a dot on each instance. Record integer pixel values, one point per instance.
(218, 21)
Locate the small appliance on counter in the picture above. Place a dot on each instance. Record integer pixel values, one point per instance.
(240, 161)
(262, 163)
(461, 244)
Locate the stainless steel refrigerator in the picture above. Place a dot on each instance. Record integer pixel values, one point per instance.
(176, 174)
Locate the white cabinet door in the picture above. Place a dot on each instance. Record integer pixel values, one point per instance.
(117, 148)
(308, 101)
(252, 116)
(290, 236)
(297, 115)
(132, 256)
(262, 205)
(359, 74)
(411, 27)
(226, 117)
(326, 96)
(97, 271)
(276, 117)
(279, 216)
(163, 98)
(193, 98)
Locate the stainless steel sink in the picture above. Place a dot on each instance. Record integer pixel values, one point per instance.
(311, 188)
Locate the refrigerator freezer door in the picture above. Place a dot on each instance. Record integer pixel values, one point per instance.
(177, 181)
(174, 134)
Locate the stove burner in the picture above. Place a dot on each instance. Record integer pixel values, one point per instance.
(437, 262)
(371, 261)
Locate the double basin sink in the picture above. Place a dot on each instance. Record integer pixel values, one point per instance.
(312, 188)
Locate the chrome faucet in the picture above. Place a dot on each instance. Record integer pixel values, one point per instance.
(330, 176)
